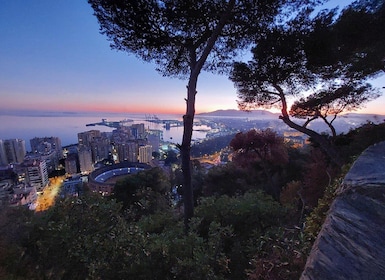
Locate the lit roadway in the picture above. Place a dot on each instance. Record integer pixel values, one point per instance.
(47, 198)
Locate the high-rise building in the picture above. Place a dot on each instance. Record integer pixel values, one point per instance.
(133, 149)
(123, 151)
(85, 159)
(101, 149)
(98, 142)
(12, 151)
(50, 159)
(36, 174)
(44, 145)
(153, 138)
(145, 154)
(71, 164)
(3, 157)
(138, 131)
(87, 137)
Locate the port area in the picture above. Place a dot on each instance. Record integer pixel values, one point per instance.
(114, 124)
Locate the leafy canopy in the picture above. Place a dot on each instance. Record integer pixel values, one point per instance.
(175, 34)
(284, 67)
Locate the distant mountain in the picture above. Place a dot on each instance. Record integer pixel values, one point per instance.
(264, 114)
(367, 116)
(238, 113)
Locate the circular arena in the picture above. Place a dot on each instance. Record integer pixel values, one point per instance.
(103, 180)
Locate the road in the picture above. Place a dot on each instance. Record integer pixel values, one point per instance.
(48, 197)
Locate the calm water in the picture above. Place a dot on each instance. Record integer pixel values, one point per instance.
(67, 126)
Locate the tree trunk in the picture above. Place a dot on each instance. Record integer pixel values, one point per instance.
(325, 145)
(188, 118)
(188, 122)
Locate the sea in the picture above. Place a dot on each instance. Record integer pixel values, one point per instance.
(66, 126)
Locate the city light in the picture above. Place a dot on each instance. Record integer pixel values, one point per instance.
(47, 199)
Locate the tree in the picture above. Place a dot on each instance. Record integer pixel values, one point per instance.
(281, 70)
(265, 148)
(144, 193)
(354, 43)
(228, 179)
(183, 38)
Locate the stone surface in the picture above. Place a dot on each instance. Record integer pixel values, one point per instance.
(351, 243)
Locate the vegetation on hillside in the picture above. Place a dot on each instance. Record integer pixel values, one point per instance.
(239, 230)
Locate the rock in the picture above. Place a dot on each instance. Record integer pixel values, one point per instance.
(351, 243)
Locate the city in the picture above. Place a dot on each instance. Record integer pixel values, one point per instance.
(192, 139)
(28, 178)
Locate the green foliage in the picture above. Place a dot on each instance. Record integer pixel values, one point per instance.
(226, 179)
(171, 157)
(15, 223)
(317, 217)
(245, 235)
(144, 193)
(96, 241)
(248, 216)
(354, 142)
(253, 210)
(281, 254)
(81, 231)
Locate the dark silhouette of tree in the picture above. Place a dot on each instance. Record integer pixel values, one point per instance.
(281, 69)
(171, 157)
(330, 103)
(185, 37)
(144, 192)
(228, 179)
(353, 44)
(265, 148)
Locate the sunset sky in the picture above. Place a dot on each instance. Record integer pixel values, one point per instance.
(53, 58)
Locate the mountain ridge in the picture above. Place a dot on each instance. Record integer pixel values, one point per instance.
(265, 113)
(239, 113)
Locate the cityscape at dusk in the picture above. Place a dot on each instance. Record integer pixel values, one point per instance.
(53, 58)
(110, 169)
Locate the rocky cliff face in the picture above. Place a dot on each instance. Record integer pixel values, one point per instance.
(351, 243)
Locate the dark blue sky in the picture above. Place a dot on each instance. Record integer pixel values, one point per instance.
(52, 57)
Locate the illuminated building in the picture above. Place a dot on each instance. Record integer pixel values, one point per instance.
(145, 154)
(36, 174)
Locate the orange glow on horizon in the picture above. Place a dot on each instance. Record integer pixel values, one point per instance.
(138, 109)
(375, 107)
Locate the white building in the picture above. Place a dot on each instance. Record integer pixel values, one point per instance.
(37, 174)
(145, 154)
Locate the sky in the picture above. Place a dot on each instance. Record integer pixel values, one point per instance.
(53, 58)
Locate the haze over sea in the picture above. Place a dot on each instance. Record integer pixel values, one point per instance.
(66, 125)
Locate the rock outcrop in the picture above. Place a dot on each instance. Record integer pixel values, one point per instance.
(351, 243)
